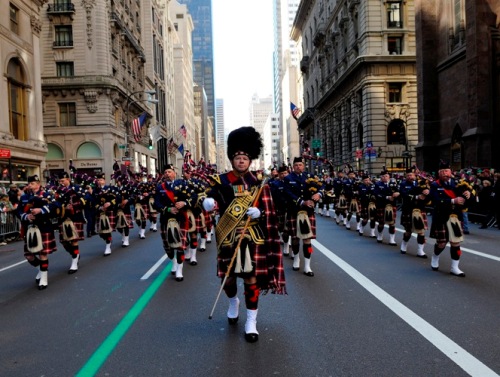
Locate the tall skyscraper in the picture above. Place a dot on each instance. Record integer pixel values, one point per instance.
(220, 135)
(203, 53)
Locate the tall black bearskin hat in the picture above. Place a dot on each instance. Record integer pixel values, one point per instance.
(244, 140)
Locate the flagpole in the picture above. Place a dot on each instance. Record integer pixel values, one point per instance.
(127, 115)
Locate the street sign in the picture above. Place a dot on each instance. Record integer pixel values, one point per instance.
(121, 146)
(127, 159)
(4, 153)
(316, 143)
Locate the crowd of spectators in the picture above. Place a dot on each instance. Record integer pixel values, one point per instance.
(9, 200)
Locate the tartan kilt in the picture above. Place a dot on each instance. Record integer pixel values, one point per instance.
(130, 221)
(291, 223)
(48, 242)
(201, 226)
(439, 231)
(226, 253)
(112, 220)
(184, 235)
(79, 230)
(381, 214)
(406, 220)
(208, 219)
(145, 208)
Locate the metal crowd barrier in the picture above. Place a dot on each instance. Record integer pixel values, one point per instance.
(10, 225)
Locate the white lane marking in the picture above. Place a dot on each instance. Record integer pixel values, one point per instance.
(12, 265)
(154, 268)
(466, 249)
(447, 346)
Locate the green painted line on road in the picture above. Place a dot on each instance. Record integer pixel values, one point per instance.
(102, 353)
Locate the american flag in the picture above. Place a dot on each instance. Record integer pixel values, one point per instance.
(295, 110)
(183, 131)
(137, 124)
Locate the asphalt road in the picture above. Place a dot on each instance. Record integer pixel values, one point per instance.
(368, 311)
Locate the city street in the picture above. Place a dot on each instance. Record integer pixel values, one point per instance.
(368, 311)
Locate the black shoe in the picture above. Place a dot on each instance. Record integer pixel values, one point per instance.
(89, 235)
(251, 338)
(179, 279)
(402, 251)
(467, 232)
(393, 244)
(423, 256)
(232, 321)
(310, 273)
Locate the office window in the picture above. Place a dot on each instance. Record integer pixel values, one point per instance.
(394, 14)
(395, 92)
(67, 114)
(396, 132)
(395, 45)
(65, 69)
(63, 36)
(14, 19)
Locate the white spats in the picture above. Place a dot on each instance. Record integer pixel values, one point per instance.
(44, 280)
(296, 262)
(203, 244)
(307, 267)
(193, 261)
(125, 241)
(455, 270)
(251, 333)
(233, 311)
(74, 264)
(178, 273)
(435, 262)
(142, 234)
(107, 251)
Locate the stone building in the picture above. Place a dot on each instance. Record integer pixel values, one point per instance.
(22, 144)
(105, 63)
(359, 107)
(458, 70)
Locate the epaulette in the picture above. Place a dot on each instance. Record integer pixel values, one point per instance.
(214, 178)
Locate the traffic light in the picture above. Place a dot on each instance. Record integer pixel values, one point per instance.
(150, 146)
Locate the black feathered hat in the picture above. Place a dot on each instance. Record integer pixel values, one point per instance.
(244, 140)
(298, 159)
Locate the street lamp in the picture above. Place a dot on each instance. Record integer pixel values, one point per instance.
(127, 124)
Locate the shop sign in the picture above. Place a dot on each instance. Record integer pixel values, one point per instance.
(4, 153)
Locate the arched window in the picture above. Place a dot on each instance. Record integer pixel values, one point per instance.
(16, 82)
(88, 150)
(396, 133)
(54, 152)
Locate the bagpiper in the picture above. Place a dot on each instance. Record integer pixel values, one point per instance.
(124, 212)
(71, 200)
(386, 193)
(415, 198)
(280, 204)
(172, 200)
(106, 202)
(37, 209)
(303, 191)
(447, 201)
(247, 231)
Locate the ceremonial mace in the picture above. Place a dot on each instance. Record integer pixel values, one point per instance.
(233, 258)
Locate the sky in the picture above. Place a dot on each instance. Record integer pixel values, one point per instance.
(243, 55)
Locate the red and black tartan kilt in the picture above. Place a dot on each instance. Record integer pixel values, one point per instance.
(291, 224)
(439, 231)
(79, 230)
(281, 220)
(208, 219)
(201, 227)
(48, 242)
(406, 220)
(381, 214)
(184, 234)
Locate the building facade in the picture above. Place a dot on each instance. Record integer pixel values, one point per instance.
(22, 143)
(359, 84)
(103, 65)
(458, 70)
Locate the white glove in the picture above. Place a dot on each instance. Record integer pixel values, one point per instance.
(209, 204)
(253, 212)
